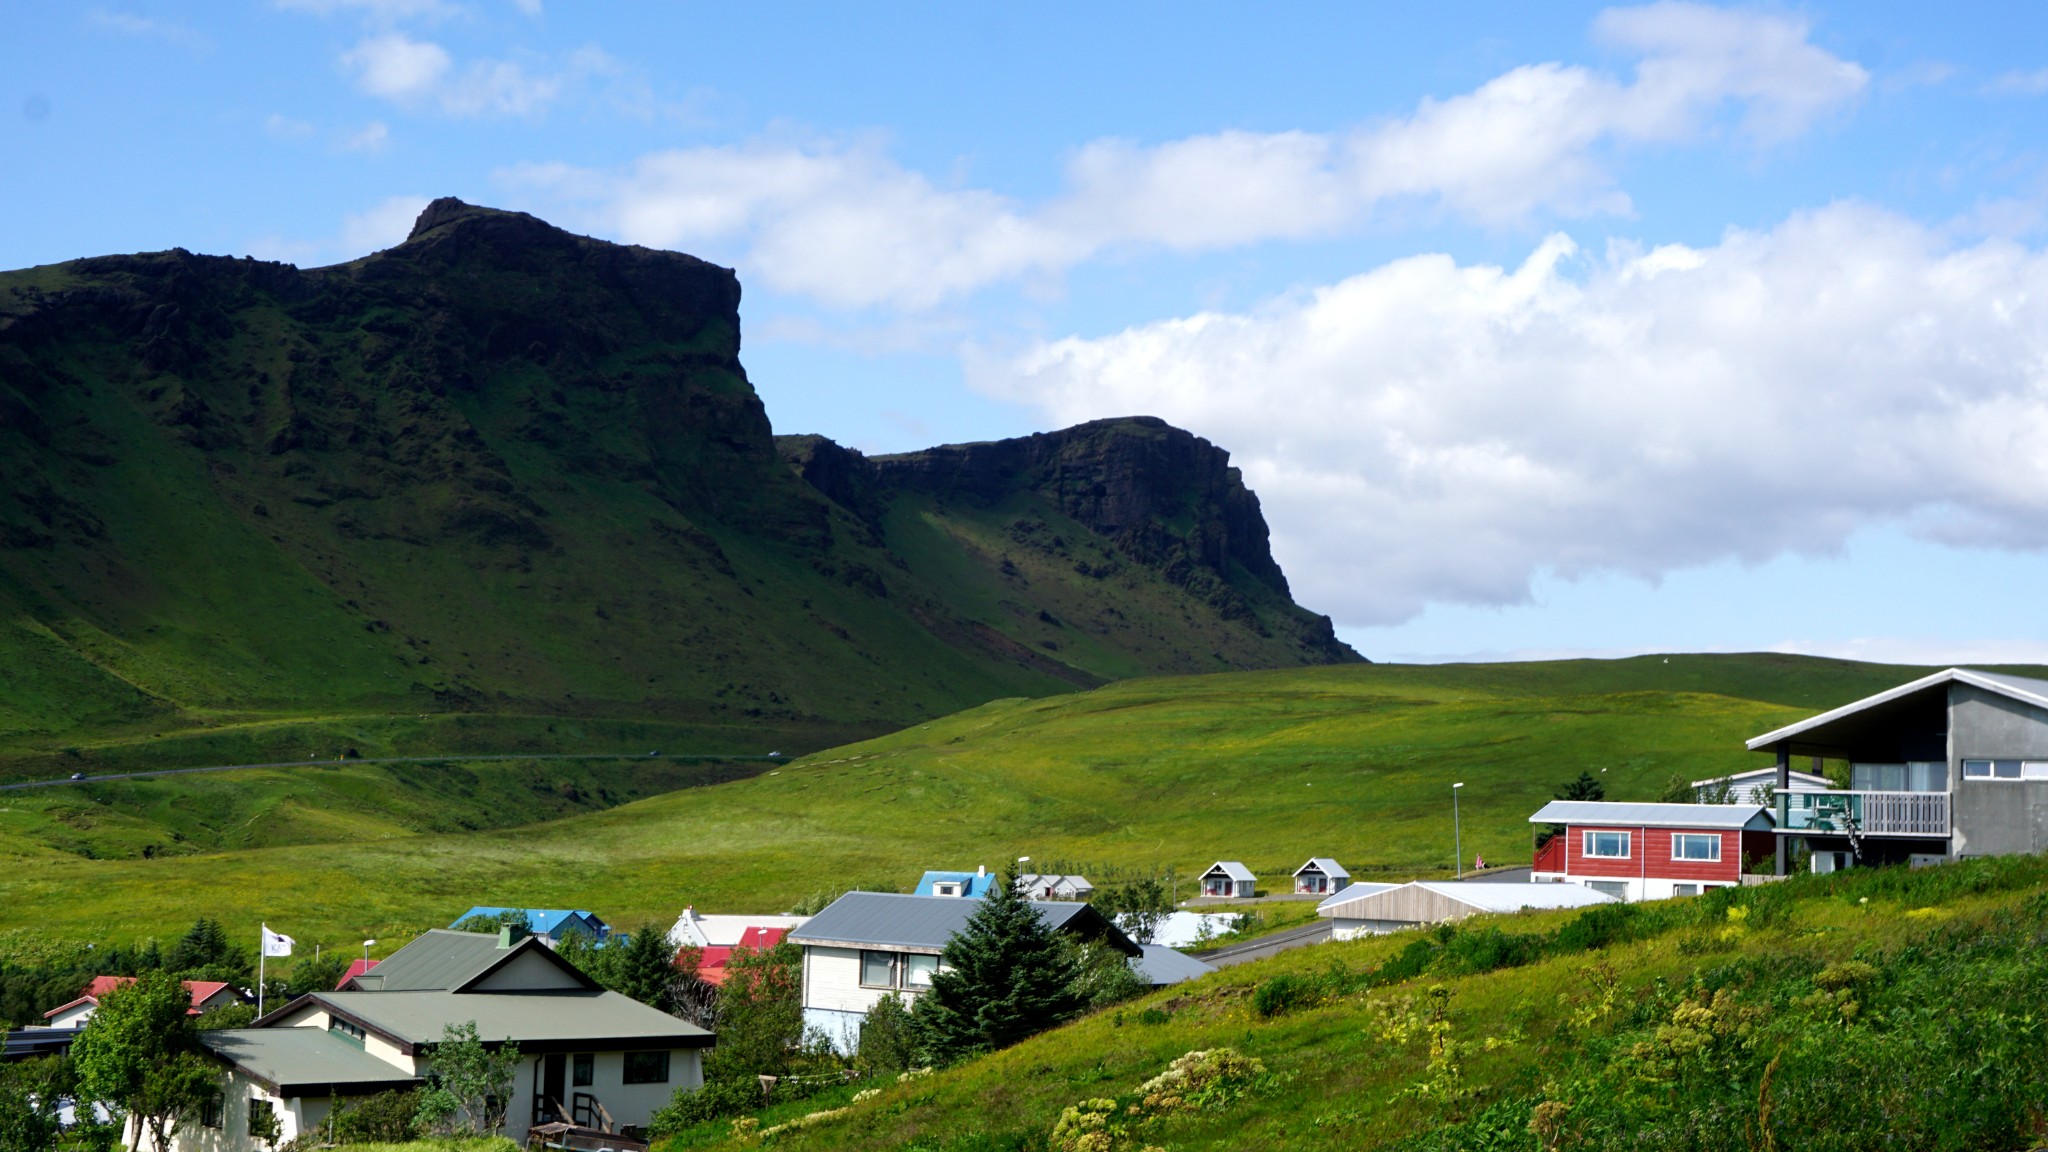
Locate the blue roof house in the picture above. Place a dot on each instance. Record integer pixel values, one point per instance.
(973, 885)
(551, 925)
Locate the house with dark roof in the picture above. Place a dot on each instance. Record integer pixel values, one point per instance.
(1649, 851)
(867, 945)
(206, 996)
(1952, 765)
(587, 1056)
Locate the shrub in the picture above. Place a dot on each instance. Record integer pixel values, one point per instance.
(714, 1101)
(387, 1117)
(886, 1042)
(1284, 993)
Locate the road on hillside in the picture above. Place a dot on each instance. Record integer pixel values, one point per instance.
(1266, 946)
(464, 757)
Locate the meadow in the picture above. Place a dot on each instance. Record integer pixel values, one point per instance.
(1881, 1008)
(1270, 768)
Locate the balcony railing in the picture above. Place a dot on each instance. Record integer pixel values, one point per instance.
(1859, 814)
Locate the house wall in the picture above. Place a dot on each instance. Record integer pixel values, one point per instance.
(294, 1117)
(632, 1104)
(530, 972)
(1348, 929)
(1996, 817)
(70, 1019)
(832, 981)
(1650, 856)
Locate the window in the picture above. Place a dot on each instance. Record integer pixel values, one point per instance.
(1695, 846)
(1614, 888)
(1610, 844)
(583, 1071)
(1685, 889)
(261, 1117)
(945, 889)
(211, 1111)
(878, 969)
(2034, 769)
(646, 1067)
(918, 969)
(352, 1031)
(1991, 770)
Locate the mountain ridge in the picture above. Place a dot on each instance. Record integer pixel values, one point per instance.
(503, 468)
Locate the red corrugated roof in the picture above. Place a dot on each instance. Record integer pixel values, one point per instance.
(356, 967)
(762, 938)
(201, 990)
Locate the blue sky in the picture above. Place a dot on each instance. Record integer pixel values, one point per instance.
(1539, 329)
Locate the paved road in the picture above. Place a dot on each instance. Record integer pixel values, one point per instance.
(462, 756)
(1266, 946)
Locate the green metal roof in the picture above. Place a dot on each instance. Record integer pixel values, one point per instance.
(302, 1061)
(442, 960)
(537, 1021)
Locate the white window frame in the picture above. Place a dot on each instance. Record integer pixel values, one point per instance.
(1627, 844)
(1990, 765)
(1686, 888)
(1713, 838)
(2034, 769)
(910, 962)
(895, 968)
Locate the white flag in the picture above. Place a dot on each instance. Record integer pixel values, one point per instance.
(276, 943)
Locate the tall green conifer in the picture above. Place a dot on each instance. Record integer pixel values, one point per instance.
(1004, 977)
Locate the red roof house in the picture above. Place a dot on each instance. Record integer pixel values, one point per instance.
(356, 968)
(206, 994)
(712, 960)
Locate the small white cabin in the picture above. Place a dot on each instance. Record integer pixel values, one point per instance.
(1229, 878)
(1321, 876)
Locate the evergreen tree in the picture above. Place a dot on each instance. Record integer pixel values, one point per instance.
(646, 968)
(1006, 976)
(1586, 787)
(204, 945)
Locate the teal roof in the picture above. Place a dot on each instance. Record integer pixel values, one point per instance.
(972, 884)
(305, 1061)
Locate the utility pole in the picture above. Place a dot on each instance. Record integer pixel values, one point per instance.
(1457, 830)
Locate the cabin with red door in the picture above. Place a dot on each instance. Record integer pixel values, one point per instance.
(1648, 851)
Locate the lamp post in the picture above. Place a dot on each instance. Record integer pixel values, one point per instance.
(1457, 831)
(366, 954)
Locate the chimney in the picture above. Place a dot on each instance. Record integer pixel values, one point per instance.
(504, 936)
(981, 869)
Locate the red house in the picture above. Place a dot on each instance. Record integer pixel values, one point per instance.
(1650, 851)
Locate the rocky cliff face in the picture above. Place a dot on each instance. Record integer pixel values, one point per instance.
(500, 466)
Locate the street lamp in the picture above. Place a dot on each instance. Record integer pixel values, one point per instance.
(1457, 832)
(366, 954)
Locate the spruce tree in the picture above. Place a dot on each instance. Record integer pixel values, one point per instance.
(1003, 978)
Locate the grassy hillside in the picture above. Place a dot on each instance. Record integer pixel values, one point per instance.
(504, 471)
(1865, 1010)
(1269, 767)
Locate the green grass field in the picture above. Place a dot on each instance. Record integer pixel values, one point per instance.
(1269, 767)
(1685, 1026)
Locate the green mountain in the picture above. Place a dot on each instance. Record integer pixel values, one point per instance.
(516, 476)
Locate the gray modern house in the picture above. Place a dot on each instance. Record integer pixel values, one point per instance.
(1951, 765)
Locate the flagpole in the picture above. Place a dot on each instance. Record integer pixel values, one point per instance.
(262, 958)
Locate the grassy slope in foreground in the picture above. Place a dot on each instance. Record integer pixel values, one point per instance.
(1267, 767)
(1934, 1045)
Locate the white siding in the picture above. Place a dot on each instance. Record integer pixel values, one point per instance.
(832, 981)
(71, 1018)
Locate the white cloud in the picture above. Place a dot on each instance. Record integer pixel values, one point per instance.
(131, 24)
(397, 67)
(2032, 83)
(420, 74)
(383, 226)
(285, 127)
(846, 224)
(380, 13)
(1436, 432)
(371, 137)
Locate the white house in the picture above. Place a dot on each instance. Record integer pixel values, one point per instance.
(1052, 886)
(1752, 786)
(724, 930)
(587, 1056)
(1229, 878)
(1373, 909)
(206, 996)
(1321, 876)
(867, 945)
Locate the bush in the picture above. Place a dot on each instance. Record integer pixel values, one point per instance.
(887, 1043)
(714, 1101)
(386, 1116)
(1284, 993)
(226, 1016)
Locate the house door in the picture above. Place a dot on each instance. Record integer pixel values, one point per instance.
(554, 1086)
